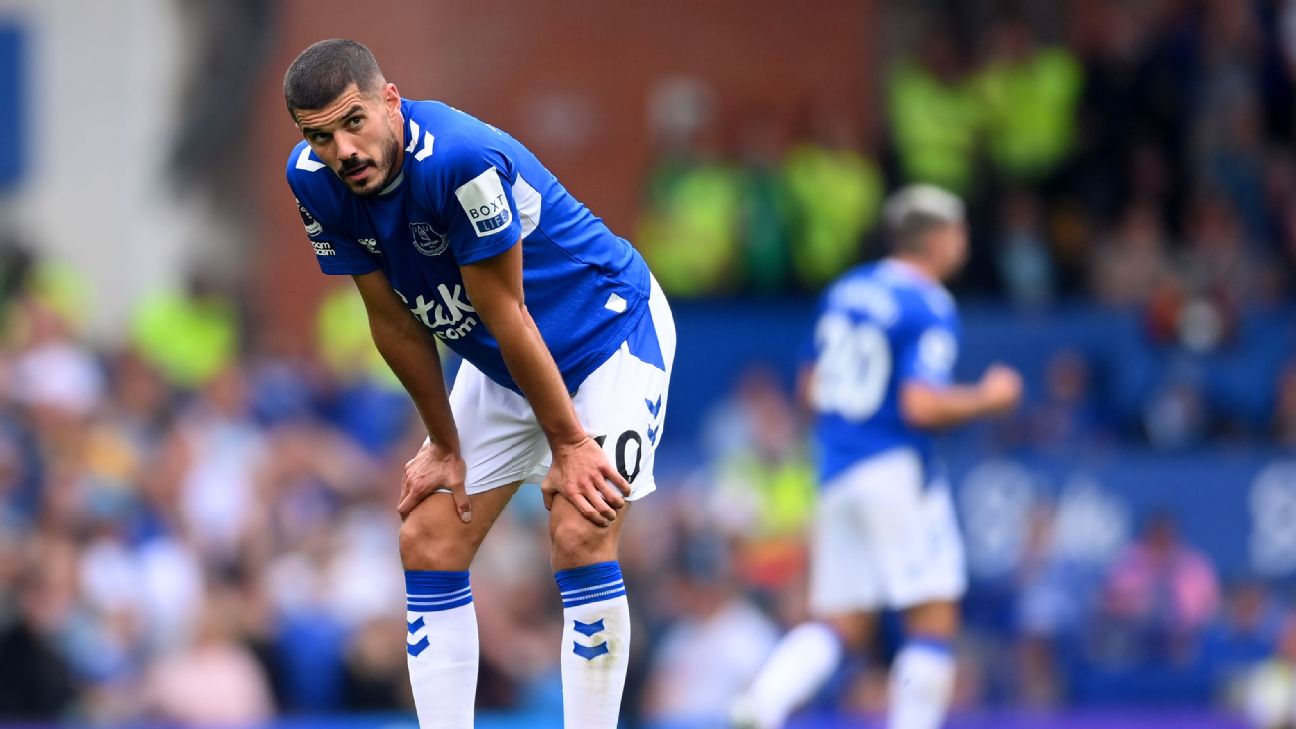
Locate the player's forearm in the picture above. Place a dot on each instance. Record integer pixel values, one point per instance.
(929, 408)
(411, 354)
(533, 369)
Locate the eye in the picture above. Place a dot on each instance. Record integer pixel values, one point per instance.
(354, 122)
(320, 138)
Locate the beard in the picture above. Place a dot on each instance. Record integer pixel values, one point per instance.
(385, 165)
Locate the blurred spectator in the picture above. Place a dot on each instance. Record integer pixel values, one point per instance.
(1161, 592)
(933, 113)
(16, 262)
(223, 450)
(1220, 263)
(1066, 417)
(713, 647)
(191, 336)
(1175, 416)
(1022, 253)
(1130, 263)
(36, 679)
(53, 374)
(763, 486)
(689, 227)
(1030, 94)
(837, 193)
(215, 682)
(766, 205)
(1047, 608)
(1229, 122)
(1244, 634)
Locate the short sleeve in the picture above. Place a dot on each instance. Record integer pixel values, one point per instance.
(337, 253)
(931, 354)
(482, 215)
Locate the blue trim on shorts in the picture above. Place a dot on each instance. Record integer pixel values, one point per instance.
(644, 343)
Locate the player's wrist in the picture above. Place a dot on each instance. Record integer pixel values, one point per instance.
(448, 448)
(567, 441)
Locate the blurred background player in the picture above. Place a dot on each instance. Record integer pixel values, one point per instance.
(885, 344)
(429, 211)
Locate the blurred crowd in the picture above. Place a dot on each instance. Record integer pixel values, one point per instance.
(197, 527)
(1136, 152)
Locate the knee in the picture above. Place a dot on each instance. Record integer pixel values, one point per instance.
(575, 541)
(854, 631)
(937, 620)
(425, 545)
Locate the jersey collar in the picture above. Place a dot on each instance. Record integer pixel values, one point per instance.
(902, 269)
(391, 186)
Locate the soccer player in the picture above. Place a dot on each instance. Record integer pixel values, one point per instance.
(451, 229)
(885, 535)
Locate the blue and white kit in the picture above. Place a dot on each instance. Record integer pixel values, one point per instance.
(886, 535)
(467, 192)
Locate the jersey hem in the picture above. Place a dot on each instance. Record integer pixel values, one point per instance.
(350, 270)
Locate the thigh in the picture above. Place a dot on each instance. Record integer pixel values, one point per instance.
(623, 402)
(844, 575)
(432, 537)
(916, 538)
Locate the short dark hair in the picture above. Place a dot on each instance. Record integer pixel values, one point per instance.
(323, 71)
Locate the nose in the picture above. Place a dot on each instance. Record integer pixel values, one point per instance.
(346, 145)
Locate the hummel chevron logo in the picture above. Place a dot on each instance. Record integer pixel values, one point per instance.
(654, 408)
(428, 141)
(588, 629)
(304, 162)
(652, 436)
(589, 653)
(417, 648)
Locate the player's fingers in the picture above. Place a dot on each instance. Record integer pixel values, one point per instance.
(404, 494)
(462, 504)
(409, 499)
(586, 510)
(548, 490)
(593, 492)
(617, 479)
(610, 494)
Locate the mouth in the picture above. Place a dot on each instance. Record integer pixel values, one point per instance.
(357, 174)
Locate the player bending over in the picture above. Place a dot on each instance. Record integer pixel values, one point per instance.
(885, 534)
(451, 228)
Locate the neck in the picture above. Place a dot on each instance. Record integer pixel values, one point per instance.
(921, 266)
(400, 148)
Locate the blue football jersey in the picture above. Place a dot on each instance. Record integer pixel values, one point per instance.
(466, 192)
(879, 326)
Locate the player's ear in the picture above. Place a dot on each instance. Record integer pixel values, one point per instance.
(391, 96)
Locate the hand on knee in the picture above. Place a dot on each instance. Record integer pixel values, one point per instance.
(433, 538)
(575, 542)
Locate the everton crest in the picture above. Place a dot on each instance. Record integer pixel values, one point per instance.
(428, 241)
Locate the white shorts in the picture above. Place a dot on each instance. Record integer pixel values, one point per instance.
(622, 404)
(884, 538)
